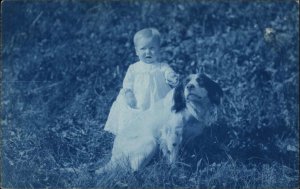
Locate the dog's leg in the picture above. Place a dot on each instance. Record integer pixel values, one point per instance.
(118, 158)
(171, 137)
(143, 156)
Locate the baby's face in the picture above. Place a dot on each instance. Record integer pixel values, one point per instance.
(147, 49)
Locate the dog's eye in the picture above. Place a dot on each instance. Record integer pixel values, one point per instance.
(187, 80)
(174, 144)
(200, 82)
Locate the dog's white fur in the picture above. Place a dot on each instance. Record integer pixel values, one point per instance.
(162, 125)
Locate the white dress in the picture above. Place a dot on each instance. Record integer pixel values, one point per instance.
(148, 83)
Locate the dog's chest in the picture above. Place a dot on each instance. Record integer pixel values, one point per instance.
(192, 129)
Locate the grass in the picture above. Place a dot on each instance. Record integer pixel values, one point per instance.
(227, 174)
(40, 168)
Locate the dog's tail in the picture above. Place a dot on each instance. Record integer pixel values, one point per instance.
(100, 171)
(106, 168)
(112, 165)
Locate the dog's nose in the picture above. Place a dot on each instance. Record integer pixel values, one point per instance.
(190, 86)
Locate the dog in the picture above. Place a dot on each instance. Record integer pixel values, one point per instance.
(175, 119)
(195, 103)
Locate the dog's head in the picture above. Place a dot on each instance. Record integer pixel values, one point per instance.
(197, 89)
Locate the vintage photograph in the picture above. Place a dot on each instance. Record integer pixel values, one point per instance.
(149, 94)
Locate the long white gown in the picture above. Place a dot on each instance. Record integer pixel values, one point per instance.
(148, 83)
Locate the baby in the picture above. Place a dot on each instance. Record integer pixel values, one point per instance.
(145, 82)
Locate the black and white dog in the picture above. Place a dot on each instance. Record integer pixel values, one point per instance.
(177, 118)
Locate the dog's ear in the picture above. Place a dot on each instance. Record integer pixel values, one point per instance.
(179, 100)
(216, 93)
(214, 90)
(200, 70)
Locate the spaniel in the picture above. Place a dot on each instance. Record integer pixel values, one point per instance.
(194, 108)
(177, 118)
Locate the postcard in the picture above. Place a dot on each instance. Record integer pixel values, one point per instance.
(150, 94)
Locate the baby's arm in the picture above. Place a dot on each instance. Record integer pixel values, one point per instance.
(172, 78)
(130, 98)
(127, 91)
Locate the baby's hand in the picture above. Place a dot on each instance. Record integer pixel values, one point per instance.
(130, 98)
(172, 79)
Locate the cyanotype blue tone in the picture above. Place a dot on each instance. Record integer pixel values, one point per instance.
(64, 64)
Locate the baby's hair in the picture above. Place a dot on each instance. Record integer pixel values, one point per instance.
(147, 33)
